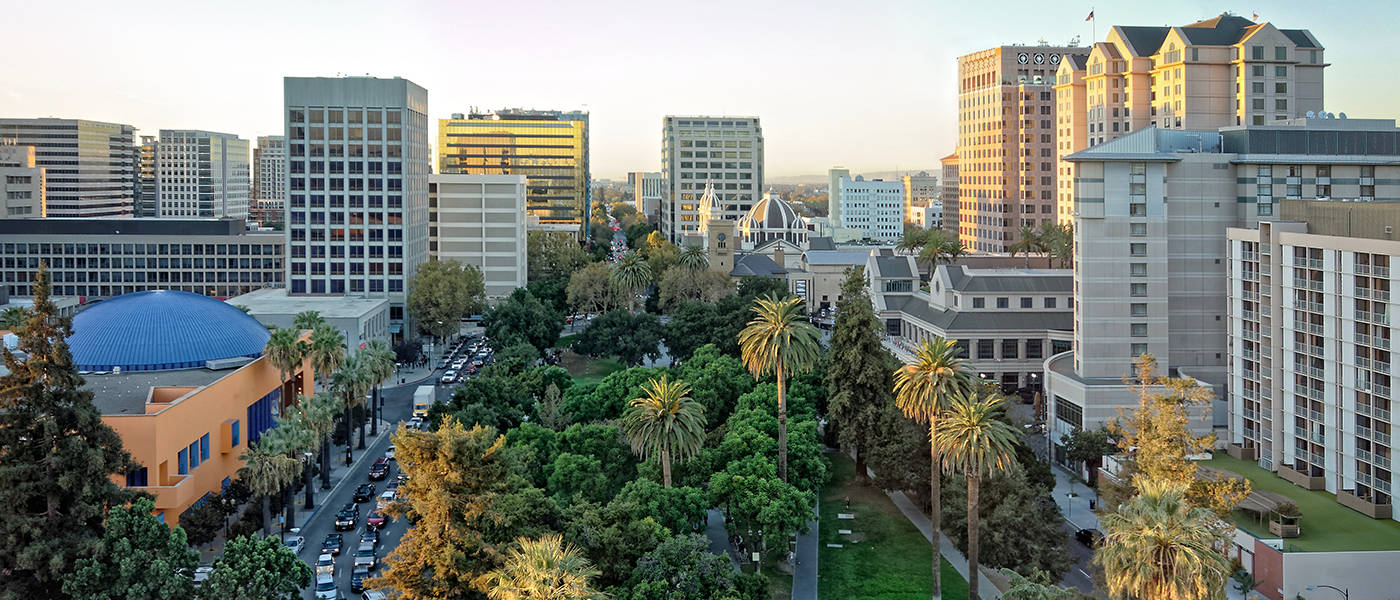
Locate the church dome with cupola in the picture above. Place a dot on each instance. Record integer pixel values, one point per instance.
(770, 219)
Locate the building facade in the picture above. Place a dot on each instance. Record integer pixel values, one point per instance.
(202, 174)
(22, 183)
(479, 220)
(1006, 138)
(920, 190)
(146, 177)
(695, 150)
(550, 148)
(359, 320)
(833, 194)
(269, 178)
(874, 207)
(90, 166)
(357, 187)
(1210, 74)
(927, 217)
(648, 192)
(949, 192)
(101, 258)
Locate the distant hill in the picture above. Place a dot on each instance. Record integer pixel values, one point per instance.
(823, 178)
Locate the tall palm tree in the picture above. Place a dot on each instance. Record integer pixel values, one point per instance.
(665, 424)
(1159, 546)
(327, 350)
(976, 442)
(779, 340)
(317, 415)
(543, 569)
(694, 258)
(1058, 243)
(267, 471)
(923, 389)
(285, 351)
(1029, 242)
(12, 317)
(308, 319)
(631, 274)
(381, 362)
(913, 240)
(953, 249)
(350, 383)
(292, 438)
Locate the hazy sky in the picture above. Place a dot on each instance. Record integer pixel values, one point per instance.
(868, 85)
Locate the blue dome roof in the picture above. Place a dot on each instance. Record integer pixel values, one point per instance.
(161, 330)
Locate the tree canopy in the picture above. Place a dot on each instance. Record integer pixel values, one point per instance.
(631, 337)
(256, 569)
(522, 317)
(441, 293)
(139, 557)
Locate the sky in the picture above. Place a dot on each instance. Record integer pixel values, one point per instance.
(870, 86)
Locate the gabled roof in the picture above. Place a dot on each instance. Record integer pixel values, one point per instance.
(1142, 41)
(1078, 62)
(758, 265)
(952, 321)
(820, 242)
(1008, 281)
(1300, 37)
(1223, 30)
(893, 266)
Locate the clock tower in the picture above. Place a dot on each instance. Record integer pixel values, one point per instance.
(720, 243)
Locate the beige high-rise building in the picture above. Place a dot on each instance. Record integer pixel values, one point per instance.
(479, 220)
(919, 191)
(21, 183)
(950, 192)
(1006, 139)
(1214, 73)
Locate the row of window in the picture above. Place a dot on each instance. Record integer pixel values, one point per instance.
(1026, 302)
(142, 249)
(191, 457)
(338, 286)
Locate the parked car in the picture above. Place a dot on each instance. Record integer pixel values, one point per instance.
(386, 498)
(373, 595)
(389, 454)
(293, 541)
(201, 574)
(358, 577)
(332, 544)
(364, 492)
(375, 520)
(365, 556)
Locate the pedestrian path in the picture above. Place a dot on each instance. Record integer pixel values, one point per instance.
(719, 536)
(804, 572)
(1077, 501)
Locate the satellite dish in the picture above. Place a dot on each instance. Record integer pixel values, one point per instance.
(1341, 115)
(1312, 115)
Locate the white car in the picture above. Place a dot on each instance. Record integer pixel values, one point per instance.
(389, 454)
(448, 377)
(294, 542)
(325, 566)
(325, 588)
(201, 574)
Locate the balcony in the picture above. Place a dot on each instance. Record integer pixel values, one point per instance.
(1312, 284)
(1379, 318)
(1250, 275)
(1316, 328)
(1252, 336)
(1364, 505)
(1249, 255)
(1301, 479)
(1249, 315)
(1249, 295)
(1373, 294)
(1379, 460)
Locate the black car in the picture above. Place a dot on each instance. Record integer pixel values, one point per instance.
(370, 536)
(348, 517)
(332, 544)
(379, 470)
(358, 577)
(1088, 537)
(364, 493)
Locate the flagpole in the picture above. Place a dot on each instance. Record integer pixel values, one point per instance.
(1093, 27)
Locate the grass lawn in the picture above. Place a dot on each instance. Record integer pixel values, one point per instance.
(779, 583)
(588, 370)
(885, 557)
(1326, 525)
(566, 341)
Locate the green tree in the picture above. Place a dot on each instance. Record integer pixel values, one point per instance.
(286, 351)
(683, 568)
(1027, 241)
(441, 293)
(631, 337)
(380, 362)
(779, 340)
(591, 290)
(351, 383)
(1019, 525)
(454, 477)
(680, 509)
(256, 569)
(694, 257)
(664, 424)
(58, 457)
(543, 569)
(758, 501)
(1035, 588)
(613, 537)
(12, 318)
(858, 379)
(1057, 241)
(692, 325)
(553, 291)
(308, 319)
(327, 351)
(976, 443)
(577, 478)
(490, 400)
(922, 390)
(139, 557)
(1089, 447)
(267, 471)
(610, 397)
(552, 253)
(682, 284)
(717, 381)
(637, 233)
(523, 317)
(631, 274)
(1158, 545)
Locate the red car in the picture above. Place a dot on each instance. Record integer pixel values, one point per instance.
(375, 520)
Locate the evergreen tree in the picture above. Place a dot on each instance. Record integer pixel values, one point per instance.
(859, 378)
(256, 569)
(57, 461)
(139, 557)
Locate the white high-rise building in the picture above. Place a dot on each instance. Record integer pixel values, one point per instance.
(875, 207)
(696, 150)
(90, 165)
(269, 177)
(648, 192)
(201, 174)
(479, 220)
(357, 187)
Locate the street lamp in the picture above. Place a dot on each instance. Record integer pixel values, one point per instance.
(229, 504)
(306, 474)
(1346, 594)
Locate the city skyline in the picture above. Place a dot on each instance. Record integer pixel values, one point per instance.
(880, 97)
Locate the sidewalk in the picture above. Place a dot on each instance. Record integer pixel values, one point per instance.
(804, 573)
(719, 536)
(1073, 499)
(374, 447)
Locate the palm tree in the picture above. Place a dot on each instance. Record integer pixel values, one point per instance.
(923, 389)
(543, 569)
(631, 274)
(308, 319)
(779, 340)
(12, 318)
(976, 442)
(694, 258)
(1159, 546)
(292, 438)
(327, 350)
(665, 424)
(350, 383)
(913, 240)
(267, 471)
(317, 415)
(285, 351)
(1029, 242)
(381, 361)
(1058, 243)
(952, 250)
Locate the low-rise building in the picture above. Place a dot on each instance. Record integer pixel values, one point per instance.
(926, 217)
(479, 220)
(648, 192)
(360, 319)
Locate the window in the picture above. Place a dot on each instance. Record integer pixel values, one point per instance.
(1257, 87)
(978, 302)
(204, 441)
(986, 349)
(1028, 303)
(1280, 71)
(1050, 302)
(235, 433)
(1137, 229)
(137, 478)
(1009, 348)
(1281, 104)
(1257, 70)
(1280, 87)
(183, 462)
(1137, 249)
(1280, 53)
(1003, 303)
(1137, 350)
(1139, 330)
(1068, 412)
(1138, 309)
(1138, 269)
(1034, 349)
(1256, 52)
(1138, 290)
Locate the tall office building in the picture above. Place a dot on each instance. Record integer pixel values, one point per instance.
(1006, 135)
(22, 182)
(833, 194)
(1214, 73)
(875, 208)
(696, 150)
(550, 148)
(648, 192)
(950, 191)
(269, 178)
(357, 187)
(479, 220)
(90, 165)
(146, 177)
(201, 174)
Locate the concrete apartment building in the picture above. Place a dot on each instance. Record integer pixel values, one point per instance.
(648, 192)
(479, 220)
(269, 178)
(146, 177)
(920, 190)
(22, 182)
(1006, 139)
(100, 258)
(949, 193)
(202, 174)
(698, 150)
(357, 188)
(1215, 73)
(926, 217)
(875, 207)
(99, 182)
(548, 147)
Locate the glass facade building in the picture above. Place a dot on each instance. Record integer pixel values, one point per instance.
(91, 167)
(550, 148)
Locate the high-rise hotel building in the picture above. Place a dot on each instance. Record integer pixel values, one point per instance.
(726, 152)
(550, 148)
(1006, 139)
(357, 187)
(1214, 73)
(269, 178)
(90, 165)
(201, 174)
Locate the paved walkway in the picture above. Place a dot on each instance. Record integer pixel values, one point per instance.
(719, 536)
(1073, 498)
(804, 573)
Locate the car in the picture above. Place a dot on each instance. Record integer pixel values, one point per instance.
(373, 595)
(364, 492)
(448, 377)
(393, 486)
(1088, 537)
(325, 589)
(370, 536)
(387, 498)
(365, 555)
(201, 574)
(378, 472)
(325, 565)
(389, 454)
(358, 577)
(347, 520)
(478, 363)
(375, 520)
(443, 364)
(459, 364)
(293, 541)
(332, 544)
